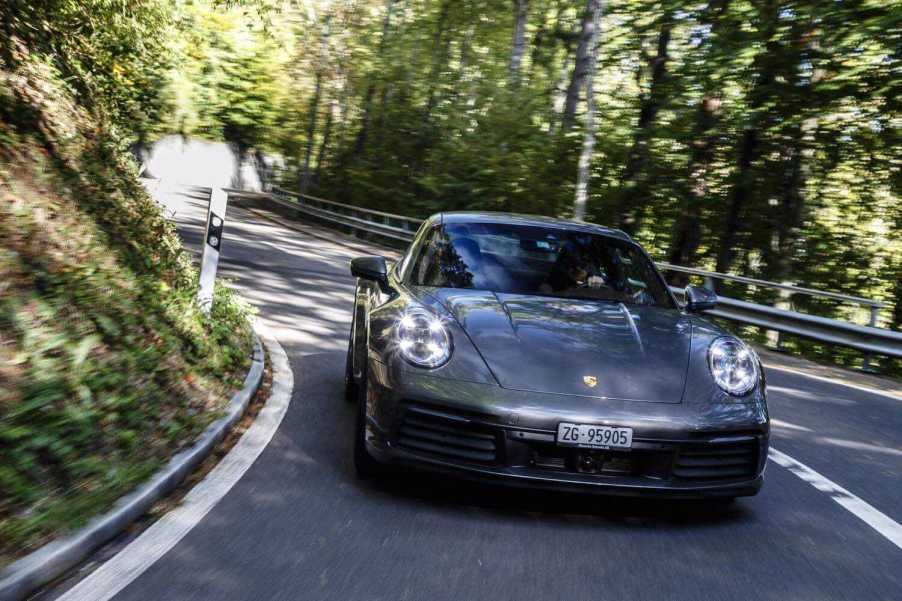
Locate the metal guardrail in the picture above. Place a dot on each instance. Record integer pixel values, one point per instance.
(713, 275)
(867, 339)
(385, 225)
(397, 230)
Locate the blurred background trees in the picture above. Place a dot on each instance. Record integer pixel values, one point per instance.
(756, 137)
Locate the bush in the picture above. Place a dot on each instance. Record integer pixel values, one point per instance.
(107, 367)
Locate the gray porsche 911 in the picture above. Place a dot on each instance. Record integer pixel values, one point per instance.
(549, 353)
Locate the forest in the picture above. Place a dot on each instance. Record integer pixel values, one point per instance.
(754, 137)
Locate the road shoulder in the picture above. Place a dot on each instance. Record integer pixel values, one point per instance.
(858, 380)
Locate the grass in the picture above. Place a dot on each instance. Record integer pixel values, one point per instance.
(107, 367)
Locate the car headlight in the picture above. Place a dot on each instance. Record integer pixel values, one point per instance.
(733, 365)
(422, 339)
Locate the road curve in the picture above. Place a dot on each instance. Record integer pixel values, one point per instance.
(299, 525)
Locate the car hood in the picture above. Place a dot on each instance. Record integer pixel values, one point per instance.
(575, 346)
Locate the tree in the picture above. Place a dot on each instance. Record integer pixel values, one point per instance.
(521, 8)
(585, 157)
(244, 109)
(634, 186)
(766, 64)
(371, 86)
(314, 103)
(582, 60)
(708, 132)
(687, 236)
(113, 54)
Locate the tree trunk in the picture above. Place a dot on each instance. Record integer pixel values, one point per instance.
(519, 44)
(264, 173)
(324, 145)
(585, 156)
(580, 68)
(360, 142)
(311, 132)
(688, 230)
(538, 44)
(634, 195)
(314, 106)
(789, 217)
(687, 236)
(440, 46)
(739, 194)
(556, 99)
(743, 179)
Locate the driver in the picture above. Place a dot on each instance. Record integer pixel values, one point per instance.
(571, 270)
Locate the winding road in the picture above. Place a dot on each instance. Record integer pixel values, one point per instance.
(300, 525)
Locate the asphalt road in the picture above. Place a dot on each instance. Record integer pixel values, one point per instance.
(299, 525)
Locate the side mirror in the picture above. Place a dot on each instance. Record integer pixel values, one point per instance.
(699, 299)
(371, 268)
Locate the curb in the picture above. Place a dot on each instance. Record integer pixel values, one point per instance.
(53, 559)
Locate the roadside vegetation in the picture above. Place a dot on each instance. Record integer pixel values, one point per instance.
(107, 367)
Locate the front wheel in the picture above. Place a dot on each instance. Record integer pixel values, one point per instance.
(351, 386)
(364, 464)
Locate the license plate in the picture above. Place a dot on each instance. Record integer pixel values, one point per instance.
(594, 437)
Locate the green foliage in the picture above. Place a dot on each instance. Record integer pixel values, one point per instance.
(106, 364)
(230, 74)
(755, 137)
(112, 52)
(245, 92)
(752, 137)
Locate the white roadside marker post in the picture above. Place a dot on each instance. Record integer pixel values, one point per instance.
(212, 243)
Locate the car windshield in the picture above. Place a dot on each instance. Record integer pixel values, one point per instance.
(535, 260)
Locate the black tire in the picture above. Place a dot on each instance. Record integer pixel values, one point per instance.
(351, 392)
(350, 384)
(364, 464)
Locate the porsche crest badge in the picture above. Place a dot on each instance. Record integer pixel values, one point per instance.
(590, 381)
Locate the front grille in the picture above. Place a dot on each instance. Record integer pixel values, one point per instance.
(446, 434)
(716, 460)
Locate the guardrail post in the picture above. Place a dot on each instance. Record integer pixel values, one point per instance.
(866, 365)
(774, 337)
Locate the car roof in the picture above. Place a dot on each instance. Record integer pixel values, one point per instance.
(523, 219)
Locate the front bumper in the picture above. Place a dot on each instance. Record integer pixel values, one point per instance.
(420, 427)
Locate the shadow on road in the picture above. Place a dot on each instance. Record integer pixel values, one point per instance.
(502, 500)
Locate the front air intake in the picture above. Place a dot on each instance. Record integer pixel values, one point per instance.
(729, 459)
(446, 434)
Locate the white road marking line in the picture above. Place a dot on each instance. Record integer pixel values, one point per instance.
(867, 513)
(857, 445)
(788, 426)
(163, 535)
(795, 392)
(889, 394)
